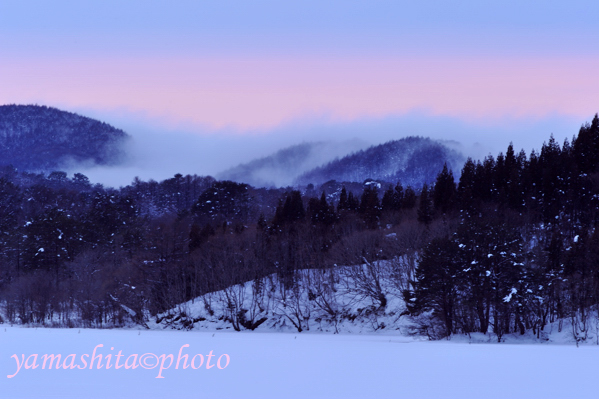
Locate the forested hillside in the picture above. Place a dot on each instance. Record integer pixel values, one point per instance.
(525, 251)
(283, 167)
(508, 245)
(36, 138)
(412, 160)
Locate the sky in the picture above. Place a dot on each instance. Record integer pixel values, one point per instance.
(224, 82)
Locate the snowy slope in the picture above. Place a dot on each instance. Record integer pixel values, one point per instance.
(339, 300)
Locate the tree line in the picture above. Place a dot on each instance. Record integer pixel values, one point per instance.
(509, 246)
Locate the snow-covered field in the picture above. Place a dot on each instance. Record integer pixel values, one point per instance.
(288, 365)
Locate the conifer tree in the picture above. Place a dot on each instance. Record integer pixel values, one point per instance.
(387, 203)
(343, 201)
(398, 197)
(435, 285)
(466, 186)
(352, 202)
(425, 211)
(370, 207)
(293, 209)
(409, 200)
(444, 191)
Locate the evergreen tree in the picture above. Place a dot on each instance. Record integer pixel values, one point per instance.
(425, 211)
(387, 203)
(435, 285)
(586, 147)
(513, 184)
(444, 191)
(293, 209)
(370, 207)
(409, 201)
(352, 202)
(343, 201)
(398, 197)
(466, 186)
(327, 212)
(551, 187)
(320, 211)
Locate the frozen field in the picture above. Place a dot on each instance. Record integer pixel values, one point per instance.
(280, 365)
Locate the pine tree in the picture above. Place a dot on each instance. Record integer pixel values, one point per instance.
(398, 197)
(466, 187)
(425, 211)
(343, 201)
(370, 207)
(320, 211)
(327, 212)
(293, 209)
(444, 191)
(352, 202)
(513, 183)
(435, 285)
(409, 201)
(387, 203)
(586, 147)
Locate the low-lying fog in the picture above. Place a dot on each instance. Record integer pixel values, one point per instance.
(157, 152)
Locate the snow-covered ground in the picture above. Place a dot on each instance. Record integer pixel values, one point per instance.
(290, 365)
(339, 300)
(350, 347)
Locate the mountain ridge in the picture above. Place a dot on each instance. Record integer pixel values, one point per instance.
(282, 167)
(41, 138)
(413, 160)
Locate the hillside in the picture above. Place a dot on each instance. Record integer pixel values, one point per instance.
(39, 138)
(327, 301)
(411, 160)
(283, 167)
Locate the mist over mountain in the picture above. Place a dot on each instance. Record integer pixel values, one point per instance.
(38, 138)
(283, 167)
(411, 160)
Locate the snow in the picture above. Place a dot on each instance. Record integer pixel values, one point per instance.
(341, 303)
(360, 352)
(129, 310)
(270, 365)
(508, 297)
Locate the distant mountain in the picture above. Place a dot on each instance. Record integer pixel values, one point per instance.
(283, 167)
(411, 160)
(38, 138)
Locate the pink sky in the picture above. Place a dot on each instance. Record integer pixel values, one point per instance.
(247, 93)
